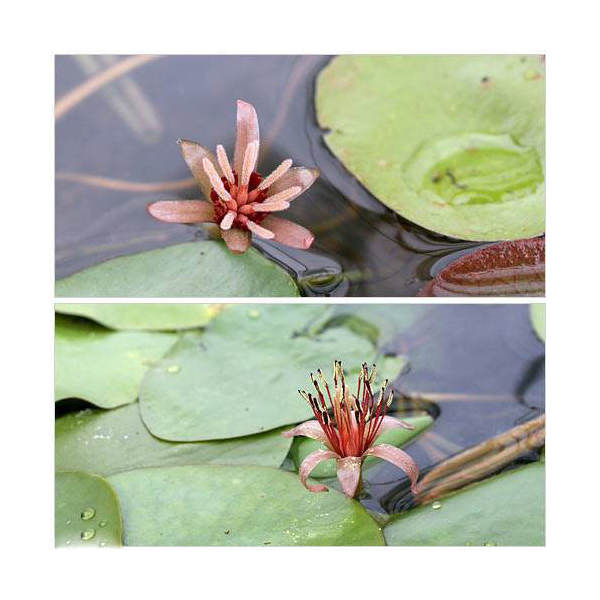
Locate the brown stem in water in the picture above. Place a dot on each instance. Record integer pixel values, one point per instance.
(481, 460)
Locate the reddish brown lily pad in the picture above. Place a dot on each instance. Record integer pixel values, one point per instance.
(515, 268)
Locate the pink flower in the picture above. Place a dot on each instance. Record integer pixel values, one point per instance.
(349, 428)
(237, 197)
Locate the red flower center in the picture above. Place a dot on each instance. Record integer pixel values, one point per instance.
(241, 201)
(351, 422)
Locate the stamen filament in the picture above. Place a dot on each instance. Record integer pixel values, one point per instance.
(250, 156)
(224, 164)
(260, 231)
(269, 206)
(281, 170)
(227, 220)
(215, 180)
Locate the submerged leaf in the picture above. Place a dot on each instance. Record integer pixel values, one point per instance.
(242, 375)
(455, 144)
(107, 442)
(505, 510)
(196, 269)
(506, 269)
(143, 316)
(86, 511)
(211, 505)
(101, 366)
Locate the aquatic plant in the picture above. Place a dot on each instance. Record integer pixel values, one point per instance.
(349, 429)
(238, 199)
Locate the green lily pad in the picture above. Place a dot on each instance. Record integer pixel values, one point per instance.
(211, 505)
(537, 312)
(101, 366)
(387, 320)
(242, 374)
(505, 510)
(302, 446)
(196, 269)
(143, 316)
(455, 144)
(86, 511)
(107, 442)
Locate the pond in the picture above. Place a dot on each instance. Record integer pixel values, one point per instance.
(470, 378)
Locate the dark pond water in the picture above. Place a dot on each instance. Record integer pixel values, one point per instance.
(488, 357)
(125, 134)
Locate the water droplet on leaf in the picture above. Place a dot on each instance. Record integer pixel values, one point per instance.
(88, 534)
(88, 513)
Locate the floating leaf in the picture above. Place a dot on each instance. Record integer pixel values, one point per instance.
(537, 312)
(101, 366)
(506, 269)
(196, 269)
(302, 446)
(86, 511)
(242, 375)
(505, 510)
(106, 442)
(210, 505)
(387, 320)
(455, 144)
(143, 316)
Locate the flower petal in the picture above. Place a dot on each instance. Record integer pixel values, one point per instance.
(348, 474)
(309, 463)
(237, 240)
(311, 429)
(399, 458)
(289, 233)
(295, 177)
(182, 211)
(193, 154)
(247, 132)
(388, 423)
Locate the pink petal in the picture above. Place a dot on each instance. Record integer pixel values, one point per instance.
(388, 423)
(309, 463)
(289, 233)
(193, 154)
(296, 177)
(247, 132)
(348, 474)
(182, 211)
(237, 240)
(399, 458)
(310, 429)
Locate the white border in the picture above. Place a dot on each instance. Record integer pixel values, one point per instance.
(567, 33)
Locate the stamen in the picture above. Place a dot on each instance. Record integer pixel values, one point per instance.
(269, 206)
(250, 156)
(227, 220)
(260, 231)
(281, 170)
(285, 195)
(215, 180)
(224, 164)
(390, 398)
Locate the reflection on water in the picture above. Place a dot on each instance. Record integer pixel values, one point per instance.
(122, 139)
